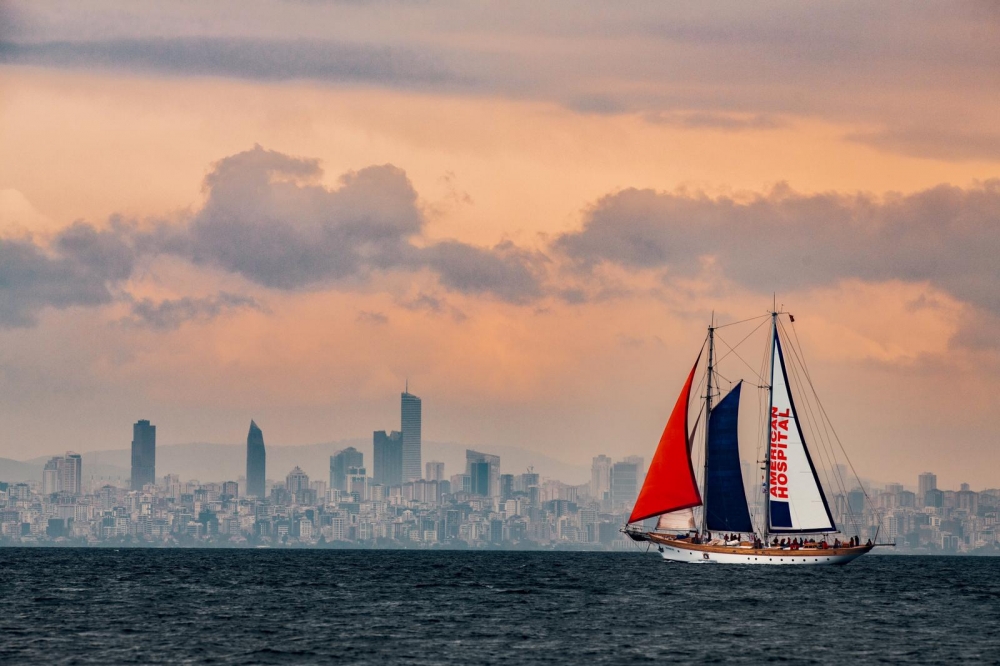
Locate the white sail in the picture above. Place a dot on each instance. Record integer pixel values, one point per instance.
(795, 498)
(676, 521)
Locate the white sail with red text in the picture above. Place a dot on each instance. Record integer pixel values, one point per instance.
(796, 502)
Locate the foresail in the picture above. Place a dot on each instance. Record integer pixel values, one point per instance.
(670, 482)
(725, 499)
(795, 497)
(677, 521)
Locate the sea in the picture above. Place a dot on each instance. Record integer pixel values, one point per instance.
(232, 606)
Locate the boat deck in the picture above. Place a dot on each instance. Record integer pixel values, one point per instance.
(769, 551)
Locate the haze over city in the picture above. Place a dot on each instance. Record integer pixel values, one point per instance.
(531, 215)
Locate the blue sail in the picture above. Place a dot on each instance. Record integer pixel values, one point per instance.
(725, 499)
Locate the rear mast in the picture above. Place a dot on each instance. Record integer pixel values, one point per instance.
(708, 415)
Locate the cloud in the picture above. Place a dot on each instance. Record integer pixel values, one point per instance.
(723, 122)
(239, 57)
(268, 219)
(81, 268)
(937, 142)
(783, 240)
(373, 318)
(434, 305)
(506, 271)
(170, 314)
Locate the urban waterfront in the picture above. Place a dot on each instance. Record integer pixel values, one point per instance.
(397, 507)
(280, 606)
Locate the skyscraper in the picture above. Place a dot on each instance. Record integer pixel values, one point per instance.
(410, 425)
(256, 461)
(296, 482)
(52, 476)
(479, 476)
(340, 462)
(600, 477)
(143, 454)
(388, 450)
(72, 474)
(624, 484)
(491, 485)
(926, 481)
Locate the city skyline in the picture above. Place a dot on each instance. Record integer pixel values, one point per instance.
(285, 217)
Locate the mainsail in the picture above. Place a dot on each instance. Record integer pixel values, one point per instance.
(795, 497)
(725, 500)
(670, 483)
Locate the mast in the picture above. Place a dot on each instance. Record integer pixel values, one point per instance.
(767, 437)
(708, 416)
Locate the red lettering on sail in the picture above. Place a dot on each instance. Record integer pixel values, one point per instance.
(779, 433)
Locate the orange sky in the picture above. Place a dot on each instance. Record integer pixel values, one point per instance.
(511, 125)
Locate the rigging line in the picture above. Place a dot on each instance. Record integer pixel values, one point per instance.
(823, 449)
(743, 321)
(732, 349)
(827, 422)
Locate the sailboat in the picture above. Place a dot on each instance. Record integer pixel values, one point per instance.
(794, 505)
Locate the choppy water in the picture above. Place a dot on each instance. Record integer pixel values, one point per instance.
(272, 606)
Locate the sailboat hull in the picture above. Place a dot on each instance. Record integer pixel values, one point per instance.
(683, 551)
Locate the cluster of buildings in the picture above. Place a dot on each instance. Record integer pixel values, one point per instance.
(398, 501)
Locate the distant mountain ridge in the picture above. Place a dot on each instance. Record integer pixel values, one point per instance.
(224, 462)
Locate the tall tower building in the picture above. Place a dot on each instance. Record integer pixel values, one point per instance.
(72, 474)
(926, 481)
(600, 477)
(625, 483)
(296, 482)
(256, 461)
(490, 484)
(52, 476)
(388, 449)
(143, 454)
(410, 417)
(342, 461)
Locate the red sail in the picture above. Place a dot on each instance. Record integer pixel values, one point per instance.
(670, 484)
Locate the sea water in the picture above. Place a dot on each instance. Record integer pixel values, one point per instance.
(220, 606)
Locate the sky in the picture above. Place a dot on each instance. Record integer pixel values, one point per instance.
(212, 212)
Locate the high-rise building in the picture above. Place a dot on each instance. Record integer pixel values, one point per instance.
(435, 471)
(231, 489)
(340, 462)
(506, 486)
(926, 481)
(52, 476)
(143, 454)
(479, 478)
(492, 484)
(357, 483)
(296, 482)
(600, 477)
(72, 474)
(256, 462)
(388, 454)
(410, 425)
(624, 484)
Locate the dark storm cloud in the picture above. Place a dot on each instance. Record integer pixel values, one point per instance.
(783, 240)
(169, 314)
(80, 269)
(258, 59)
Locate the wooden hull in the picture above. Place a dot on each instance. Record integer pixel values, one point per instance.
(676, 550)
